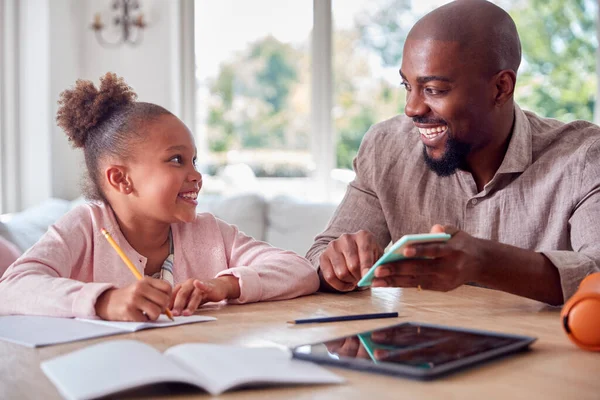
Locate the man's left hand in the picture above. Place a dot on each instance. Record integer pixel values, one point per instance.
(441, 266)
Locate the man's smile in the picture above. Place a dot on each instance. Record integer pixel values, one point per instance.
(431, 135)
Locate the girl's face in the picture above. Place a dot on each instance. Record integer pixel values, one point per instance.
(163, 172)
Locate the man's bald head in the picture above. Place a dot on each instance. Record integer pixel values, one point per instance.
(486, 34)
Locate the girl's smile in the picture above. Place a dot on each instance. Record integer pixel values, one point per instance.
(189, 196)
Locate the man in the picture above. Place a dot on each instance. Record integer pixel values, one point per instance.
(519, 194)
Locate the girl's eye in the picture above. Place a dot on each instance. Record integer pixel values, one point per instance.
(195, 162)
(177, 159)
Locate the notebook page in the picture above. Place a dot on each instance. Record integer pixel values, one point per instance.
(111, 367)
(223, 367)
(162, 322)
(37, 331)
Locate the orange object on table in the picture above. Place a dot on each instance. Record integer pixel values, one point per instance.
(581, 314)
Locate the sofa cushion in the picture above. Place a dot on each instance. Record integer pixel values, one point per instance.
(292, 224)
(246, 211)
(27, 227)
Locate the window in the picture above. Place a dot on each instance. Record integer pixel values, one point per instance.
(256, 73)
(253, 94)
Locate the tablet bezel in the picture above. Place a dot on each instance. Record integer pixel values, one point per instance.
(522, 344)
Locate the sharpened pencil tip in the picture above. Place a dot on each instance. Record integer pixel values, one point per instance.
(291, 322)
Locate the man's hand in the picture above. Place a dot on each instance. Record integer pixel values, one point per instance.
(448, 265)
(191, 294)
(142, 301)
(347, 258)
(348, 347)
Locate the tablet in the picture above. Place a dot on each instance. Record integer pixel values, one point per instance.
(413, 350)
(396, 252)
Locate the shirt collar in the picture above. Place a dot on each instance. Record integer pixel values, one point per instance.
(518, 155)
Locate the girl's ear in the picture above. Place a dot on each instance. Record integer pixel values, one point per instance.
(117, 178)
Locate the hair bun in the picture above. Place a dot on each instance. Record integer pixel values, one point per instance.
(82, 108)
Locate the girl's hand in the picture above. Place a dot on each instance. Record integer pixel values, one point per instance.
(142, 301)
(191, 294)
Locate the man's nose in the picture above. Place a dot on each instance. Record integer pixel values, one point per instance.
(415, 105)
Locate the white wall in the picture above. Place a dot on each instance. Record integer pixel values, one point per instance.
(67, 25)
(151, 68)
(56, 48)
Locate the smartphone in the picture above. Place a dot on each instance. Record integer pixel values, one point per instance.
(396, 251)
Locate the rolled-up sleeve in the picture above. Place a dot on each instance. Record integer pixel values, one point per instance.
(360, 208)
(584, 224)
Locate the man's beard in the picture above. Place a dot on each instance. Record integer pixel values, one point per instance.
(454, 157)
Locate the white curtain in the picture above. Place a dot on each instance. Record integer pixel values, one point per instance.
(9, 103)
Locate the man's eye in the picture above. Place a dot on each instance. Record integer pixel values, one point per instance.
(406, 85)
(434, 92)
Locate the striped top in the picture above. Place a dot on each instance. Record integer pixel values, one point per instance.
(166, 270)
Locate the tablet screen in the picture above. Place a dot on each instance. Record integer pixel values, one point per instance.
(412, 346)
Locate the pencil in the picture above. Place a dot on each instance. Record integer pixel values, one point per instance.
(344, 318)
(129, 264)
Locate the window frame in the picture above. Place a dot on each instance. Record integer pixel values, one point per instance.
(323, 135)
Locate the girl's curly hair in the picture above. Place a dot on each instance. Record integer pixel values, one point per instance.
(103, 121)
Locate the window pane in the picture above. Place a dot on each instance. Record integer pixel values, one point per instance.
(557, 77)
(253, 94)
(368, 40)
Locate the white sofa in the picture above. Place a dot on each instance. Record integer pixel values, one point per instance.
(284, 222)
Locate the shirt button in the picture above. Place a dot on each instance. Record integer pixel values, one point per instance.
(474, 201)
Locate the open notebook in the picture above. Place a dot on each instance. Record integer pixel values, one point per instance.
(115, 366)
(37, 331)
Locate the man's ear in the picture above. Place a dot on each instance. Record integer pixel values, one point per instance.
(118, 179)
(505, 86)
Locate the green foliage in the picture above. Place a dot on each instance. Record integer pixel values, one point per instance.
(250, 100)
(361, 99)
(278, 73)
(351, 135)
(384, 29)
(558, 75)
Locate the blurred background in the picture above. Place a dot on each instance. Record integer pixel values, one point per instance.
(278, 93)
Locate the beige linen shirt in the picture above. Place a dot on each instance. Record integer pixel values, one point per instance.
(544, 197)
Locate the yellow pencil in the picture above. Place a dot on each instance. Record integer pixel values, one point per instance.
(129, 264)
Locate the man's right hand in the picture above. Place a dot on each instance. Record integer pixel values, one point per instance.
(141, 301)
(346, 259)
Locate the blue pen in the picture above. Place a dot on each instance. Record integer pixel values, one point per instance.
(344, 318)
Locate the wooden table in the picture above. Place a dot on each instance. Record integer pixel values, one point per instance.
(554, 369)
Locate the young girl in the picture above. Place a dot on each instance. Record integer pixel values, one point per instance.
(141, 164)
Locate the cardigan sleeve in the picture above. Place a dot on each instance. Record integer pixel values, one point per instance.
(39, 282)
(265, 272)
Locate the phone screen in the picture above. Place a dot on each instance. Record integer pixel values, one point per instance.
(395, 252)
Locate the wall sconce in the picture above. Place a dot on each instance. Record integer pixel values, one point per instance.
(130, 26)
